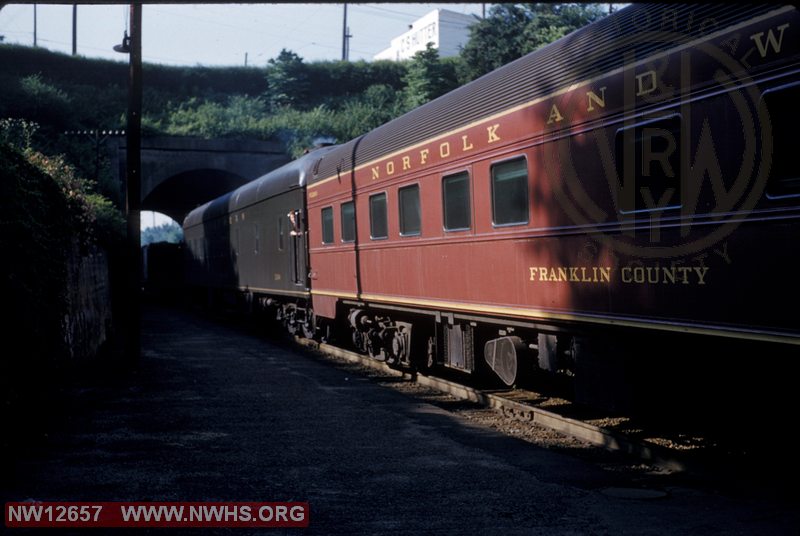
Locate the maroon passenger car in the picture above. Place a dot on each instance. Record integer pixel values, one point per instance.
(635, 178)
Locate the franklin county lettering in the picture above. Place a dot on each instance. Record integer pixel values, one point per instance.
(629, 274)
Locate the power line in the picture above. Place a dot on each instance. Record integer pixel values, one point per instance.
(287, 35)
(403, 15)
(285, 28)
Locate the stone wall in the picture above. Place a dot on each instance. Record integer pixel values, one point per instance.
(87, 320)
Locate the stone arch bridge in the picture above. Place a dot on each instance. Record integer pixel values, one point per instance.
(179, 174)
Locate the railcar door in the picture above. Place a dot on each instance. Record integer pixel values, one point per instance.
(297, 248)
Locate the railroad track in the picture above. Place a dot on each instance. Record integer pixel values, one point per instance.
(673, 452)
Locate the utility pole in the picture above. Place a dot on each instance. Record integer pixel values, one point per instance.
(345, 37)
(34, 25)
(245, 59)
(74, 29)
(2, 37)
(133, 189)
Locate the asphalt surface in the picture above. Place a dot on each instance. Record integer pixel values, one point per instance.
(215, 413)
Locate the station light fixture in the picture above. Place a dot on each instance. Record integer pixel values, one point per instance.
(125, 46)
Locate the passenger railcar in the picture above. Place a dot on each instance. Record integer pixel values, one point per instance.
(251, 243)
(633, 182)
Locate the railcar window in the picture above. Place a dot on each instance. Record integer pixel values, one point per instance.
(510, 192)
(281, 233)
(378, 227)
(456, 202)
(408, 201)
(784, 177)
(348, 222)
(648, 164)
(327, 225)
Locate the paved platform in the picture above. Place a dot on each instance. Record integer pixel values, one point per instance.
(215, 413)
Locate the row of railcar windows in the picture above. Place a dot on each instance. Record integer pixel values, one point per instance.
(509, 190)
(646, 157)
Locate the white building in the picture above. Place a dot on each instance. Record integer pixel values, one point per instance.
(447, 30)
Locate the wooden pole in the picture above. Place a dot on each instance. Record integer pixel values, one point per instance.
(133, 186)
(74, 29)
(344, 35)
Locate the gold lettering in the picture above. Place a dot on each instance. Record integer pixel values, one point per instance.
(594, 99)
(492, 130)
(406, 163)
(579, 274)
(771, 40)
(444, 149)
(641, 87)
(376, 173)
(555, 115)
(466, 145)
(701, 274)
(389, 167)
(656, 274)
(423, 155)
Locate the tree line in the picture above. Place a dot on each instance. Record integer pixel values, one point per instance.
(303, 102)
(289, 100)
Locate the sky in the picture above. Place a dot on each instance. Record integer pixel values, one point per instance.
(219, 34)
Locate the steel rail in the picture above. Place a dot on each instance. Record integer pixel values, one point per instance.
(602, 437)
